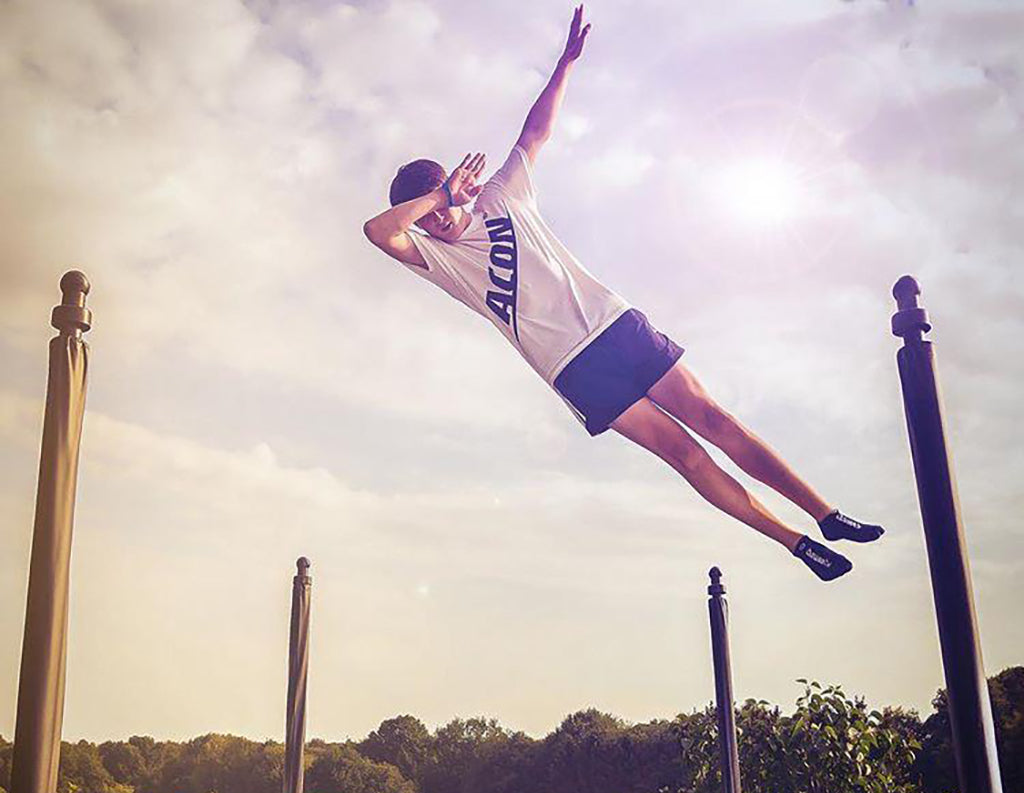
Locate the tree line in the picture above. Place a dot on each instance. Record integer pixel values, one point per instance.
(830, 742)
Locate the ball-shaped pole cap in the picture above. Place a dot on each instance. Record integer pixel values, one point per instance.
(74, 284)
(71, 316)
(302, 564)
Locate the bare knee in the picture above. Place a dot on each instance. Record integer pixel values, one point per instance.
(648, 426)
(684, 453)
(719, 426)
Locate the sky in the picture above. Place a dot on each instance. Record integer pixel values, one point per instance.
(264, 384)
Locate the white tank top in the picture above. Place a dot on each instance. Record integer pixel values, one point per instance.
(510, 267)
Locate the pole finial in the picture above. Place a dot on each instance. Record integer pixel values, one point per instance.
(906, 290)
(910, 320)
(71, 316)
(717, 587)
(302, 564)
(75, 286)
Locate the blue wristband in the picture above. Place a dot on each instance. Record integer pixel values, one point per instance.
(448, 192)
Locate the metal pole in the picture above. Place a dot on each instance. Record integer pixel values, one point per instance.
(970, 712)
(40, 718)
(298, 666)
(718, 609)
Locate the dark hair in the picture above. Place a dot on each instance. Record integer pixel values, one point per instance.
(415, 179)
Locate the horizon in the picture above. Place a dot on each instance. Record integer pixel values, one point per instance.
(433, 728)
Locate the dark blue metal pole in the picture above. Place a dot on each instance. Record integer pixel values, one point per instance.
(718, 609)
(970, 711)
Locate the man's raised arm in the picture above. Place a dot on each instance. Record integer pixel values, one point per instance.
(541, 118)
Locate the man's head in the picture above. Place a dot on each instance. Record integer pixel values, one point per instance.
(417, 178)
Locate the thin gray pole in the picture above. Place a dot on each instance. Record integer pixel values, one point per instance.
(298, 667)
(40, 719)
(718, 609)
(970, 711)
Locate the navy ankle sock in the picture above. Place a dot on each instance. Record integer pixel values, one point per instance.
(837, 526)
(824, 562)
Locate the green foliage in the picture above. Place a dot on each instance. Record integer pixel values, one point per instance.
(834, 739)
(1007, 691)
(341, 769)
(459, 748)
(593, 751)
(218, 764)
(829, 743)
(82, 771)
(6, 750)
(403, 742)
(936, 763)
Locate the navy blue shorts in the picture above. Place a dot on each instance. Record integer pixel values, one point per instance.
(616, 369)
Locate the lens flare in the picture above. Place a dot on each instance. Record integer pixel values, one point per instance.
(760, 191)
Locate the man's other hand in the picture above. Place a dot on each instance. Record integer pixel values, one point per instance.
(574, 44)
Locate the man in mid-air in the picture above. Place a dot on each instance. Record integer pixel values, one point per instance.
(601, 355)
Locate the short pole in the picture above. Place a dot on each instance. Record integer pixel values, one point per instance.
(718, 609)
(298, 667)
(40, 712)
(970, 710)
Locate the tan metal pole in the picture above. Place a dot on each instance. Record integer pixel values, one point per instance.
(44, 650)
(298, 666)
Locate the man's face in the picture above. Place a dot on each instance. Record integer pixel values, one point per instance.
(444, 224)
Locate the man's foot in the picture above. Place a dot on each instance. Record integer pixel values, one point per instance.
(837, 526)
(824, 562)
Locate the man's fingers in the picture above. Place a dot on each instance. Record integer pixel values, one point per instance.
(467, 171)
(463, 167)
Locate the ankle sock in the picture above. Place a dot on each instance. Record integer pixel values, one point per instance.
(824, 562)
(837, 526)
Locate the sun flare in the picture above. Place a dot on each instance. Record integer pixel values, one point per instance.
(761, 191)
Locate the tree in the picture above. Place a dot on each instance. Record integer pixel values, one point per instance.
(124, 762)
(6, 750)
(456, 747)
(341, 769)
(1007, 691)
(936, 761)
(403, 742)
(830, 743)
(82, 771)
(221, 764)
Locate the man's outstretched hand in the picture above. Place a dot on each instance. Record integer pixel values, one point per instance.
(577, 35)
(462, 182)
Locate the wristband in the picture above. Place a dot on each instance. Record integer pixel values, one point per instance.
(448, 192)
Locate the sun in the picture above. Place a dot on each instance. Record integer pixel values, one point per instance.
(760, 191)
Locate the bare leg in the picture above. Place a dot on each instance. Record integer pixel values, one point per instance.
(645, 424)
(679, 393)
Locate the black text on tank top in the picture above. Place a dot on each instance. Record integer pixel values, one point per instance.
(503, 271)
